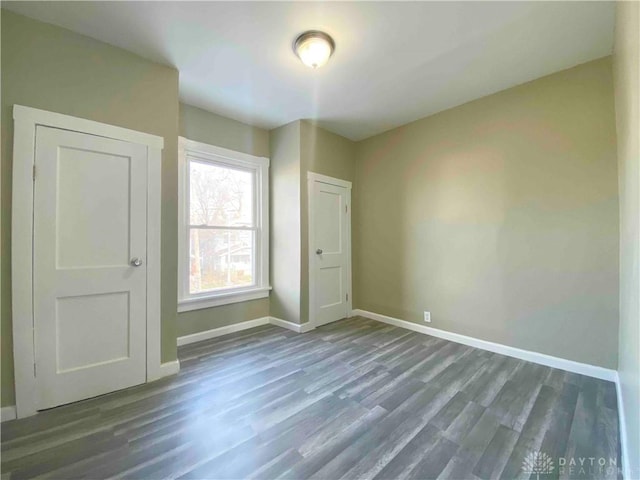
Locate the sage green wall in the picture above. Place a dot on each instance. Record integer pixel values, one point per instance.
(207, 127)
(627, 93)
(329, 154)
(500, 217)
(326, 152)
(51, 68)
(285, 222)
(202, 126)
(206, 319)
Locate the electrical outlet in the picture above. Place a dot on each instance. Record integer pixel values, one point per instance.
(427, 317)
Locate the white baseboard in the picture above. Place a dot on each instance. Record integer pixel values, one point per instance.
(237, 327)
(8, 413)
(622, 430)
(529, 356)
(218, 332)
(296, 327)
(169, 368)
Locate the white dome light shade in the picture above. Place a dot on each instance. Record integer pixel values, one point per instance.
(314, 48)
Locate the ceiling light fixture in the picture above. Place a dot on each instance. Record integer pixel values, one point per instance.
(314, 48)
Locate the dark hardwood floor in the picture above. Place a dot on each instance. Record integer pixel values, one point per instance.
(354, 399)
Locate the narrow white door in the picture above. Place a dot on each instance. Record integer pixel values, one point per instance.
(89, 265)
(330, 252)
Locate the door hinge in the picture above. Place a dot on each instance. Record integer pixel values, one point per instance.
(346, 209)
(347, 297)
(34, 172)
(34, 369)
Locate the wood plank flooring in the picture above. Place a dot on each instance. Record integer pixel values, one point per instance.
(355, 399)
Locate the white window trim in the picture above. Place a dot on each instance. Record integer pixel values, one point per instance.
(232, 158)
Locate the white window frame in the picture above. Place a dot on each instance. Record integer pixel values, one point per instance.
(230, 158)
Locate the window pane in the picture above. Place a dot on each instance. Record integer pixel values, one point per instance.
(220, 259)
(220, 196)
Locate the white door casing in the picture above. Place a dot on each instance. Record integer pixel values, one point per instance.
(121, 282)
(90, 208)
(329, 249)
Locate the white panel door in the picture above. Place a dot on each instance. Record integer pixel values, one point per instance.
(89, 295)
(330, 244)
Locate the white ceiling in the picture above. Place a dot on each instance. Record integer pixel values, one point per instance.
(394, 62)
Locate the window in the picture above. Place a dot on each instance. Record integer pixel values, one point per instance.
(224, 236)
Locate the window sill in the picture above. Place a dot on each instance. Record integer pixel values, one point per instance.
(222, 299)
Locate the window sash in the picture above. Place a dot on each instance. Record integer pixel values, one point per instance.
(255, 264)
(255, 174)
(219, 227)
